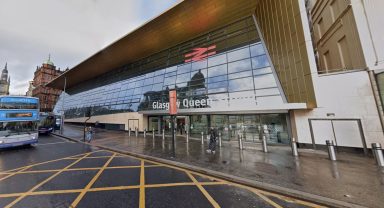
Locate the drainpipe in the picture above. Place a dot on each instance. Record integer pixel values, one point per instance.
(375, 90)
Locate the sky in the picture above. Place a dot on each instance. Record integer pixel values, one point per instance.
(69, 30)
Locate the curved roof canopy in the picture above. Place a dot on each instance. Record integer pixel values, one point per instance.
(180, 23)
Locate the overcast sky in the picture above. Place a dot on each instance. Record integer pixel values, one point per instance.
(69, 30)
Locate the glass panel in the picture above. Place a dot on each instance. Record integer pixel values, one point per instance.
(217, 70)
(184, 68)
(265, 81)
(169, 81)
(159, 72)
(199, 64)
(148, 81)
(217, 60)
(257, 50)
(260, 62)
(217, 79)
(220, 122)
(198, 124)
(260, 71)
(183, 78)
(158, 79)
(222, 85)
(240, 75)
(171, 69)
(137, 91)
(268, 92)
(170, 74)
(277, 128)
(240, 84)
(242, 53)
(239, 66)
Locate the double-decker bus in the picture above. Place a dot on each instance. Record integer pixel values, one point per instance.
(19, 118)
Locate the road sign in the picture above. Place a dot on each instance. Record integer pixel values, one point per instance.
(172, 102)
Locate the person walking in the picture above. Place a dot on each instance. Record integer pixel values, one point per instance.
(212, 140)
(89, 134)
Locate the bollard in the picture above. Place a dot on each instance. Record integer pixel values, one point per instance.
(240, 141)
(153, 133)
(187, 135)
(220, 144)
(145, 132)
(331, 150)
(208, 136)
(163, 134)
(129, 132)
(136, 132)
(264, 143)
(202, 137)
(377, 151)
(295, 152)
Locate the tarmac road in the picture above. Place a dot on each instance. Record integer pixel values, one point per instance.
(59, 173)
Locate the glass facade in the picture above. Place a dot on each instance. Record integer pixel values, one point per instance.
(225, 68)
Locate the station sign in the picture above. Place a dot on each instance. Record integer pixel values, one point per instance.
(172, 102)
(199, 54)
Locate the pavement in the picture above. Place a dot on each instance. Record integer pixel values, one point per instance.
(354, 180)
(59, 173)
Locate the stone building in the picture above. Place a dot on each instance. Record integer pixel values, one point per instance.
(47, 95)
(5, 81)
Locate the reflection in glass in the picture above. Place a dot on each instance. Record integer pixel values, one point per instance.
(240, 84)
(217, 60)
(257, 49)
(265, 81)
(239, 66)
(260, 62)
(240, 75)
(242, 53)
(217, 70)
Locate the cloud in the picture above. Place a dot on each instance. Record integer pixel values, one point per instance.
(70, 31)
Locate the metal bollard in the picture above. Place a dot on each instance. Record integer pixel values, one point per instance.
(378, 152)
(331, 150)
(220, 144)
(187, 135)
(136, 132)
(129, 132)
(264, 143)
(145, 133)
(295, 152)
(202, 137)
(153, 133)
(208, 136)
(240, 141)
(163, 134)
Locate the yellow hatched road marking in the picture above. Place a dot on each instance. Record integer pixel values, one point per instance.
(41, 163)
(205, 192)
(274, 204)
(142, 186)
(82, 193)
(107, 189)
(43, 182)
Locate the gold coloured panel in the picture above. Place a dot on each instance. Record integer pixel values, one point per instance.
(281, 26)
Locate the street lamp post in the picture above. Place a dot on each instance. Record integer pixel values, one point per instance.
(62, 107)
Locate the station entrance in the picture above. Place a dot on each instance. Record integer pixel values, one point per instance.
(250, 126)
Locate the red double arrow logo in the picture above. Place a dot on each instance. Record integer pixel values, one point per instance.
(199, 54)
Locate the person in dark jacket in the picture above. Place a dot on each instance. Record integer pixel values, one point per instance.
(212, 140)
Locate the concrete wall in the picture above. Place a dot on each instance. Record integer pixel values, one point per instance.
(346, 95)
(118, 118)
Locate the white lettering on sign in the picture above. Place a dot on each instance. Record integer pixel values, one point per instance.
(186, 103)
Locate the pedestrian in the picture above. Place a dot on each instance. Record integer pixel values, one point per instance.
(212, 140)
(89, 134)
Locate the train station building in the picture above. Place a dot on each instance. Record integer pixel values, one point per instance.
(236, 66)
